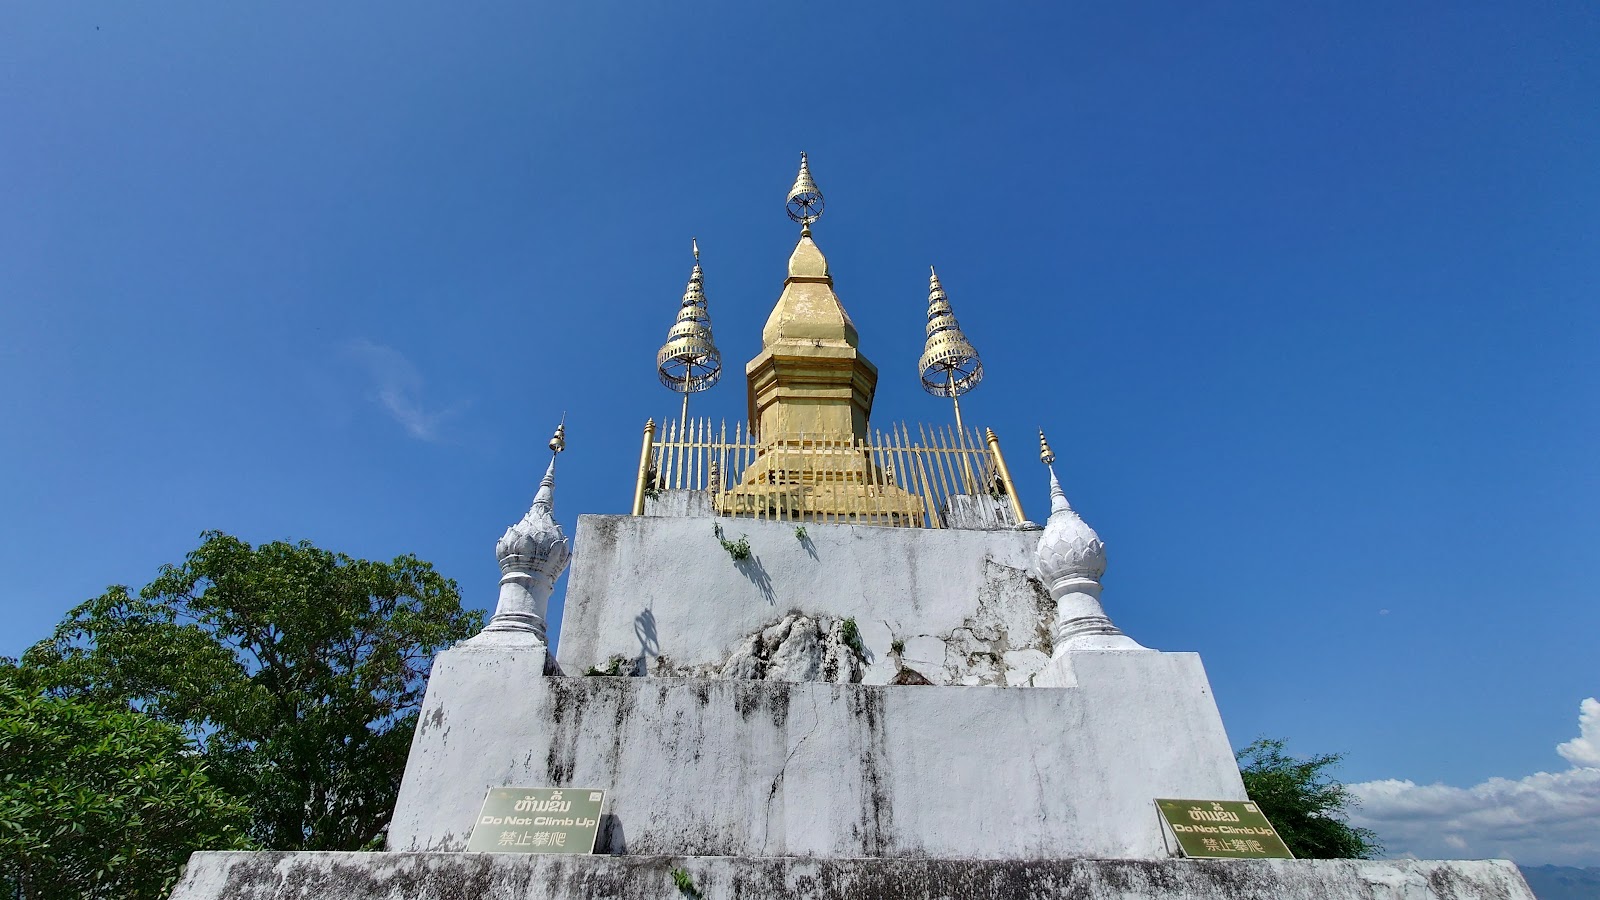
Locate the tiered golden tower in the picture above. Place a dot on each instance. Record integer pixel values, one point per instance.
(810, 395)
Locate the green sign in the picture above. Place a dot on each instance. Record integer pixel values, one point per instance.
(538, 820)
(1222, 829)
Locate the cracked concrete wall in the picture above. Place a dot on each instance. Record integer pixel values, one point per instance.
(661, 594)
(504, 876)
(795, 648)
(766, 768)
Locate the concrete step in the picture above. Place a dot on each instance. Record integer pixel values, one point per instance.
(503, 876)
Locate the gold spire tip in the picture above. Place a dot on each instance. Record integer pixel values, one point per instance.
(1046, 455)
(558, 441)
(694, 244)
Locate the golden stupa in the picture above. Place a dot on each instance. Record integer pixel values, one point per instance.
(808, 452)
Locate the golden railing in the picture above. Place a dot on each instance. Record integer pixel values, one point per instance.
(905, 476)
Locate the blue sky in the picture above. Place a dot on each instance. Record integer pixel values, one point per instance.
(1305, 297)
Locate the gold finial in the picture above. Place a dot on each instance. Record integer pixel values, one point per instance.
(689, 362)
(1046, 455)
(804, 204)
(558, 441)
(950, 366)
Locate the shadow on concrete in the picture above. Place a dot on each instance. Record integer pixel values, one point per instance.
(611, 840)
(644, 628)
(757, 573)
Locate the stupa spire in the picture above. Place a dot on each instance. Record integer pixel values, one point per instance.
(689, 361)
(1058, 497)
(533, 553)
(1071, 560)
(810, 392)
(810, 378)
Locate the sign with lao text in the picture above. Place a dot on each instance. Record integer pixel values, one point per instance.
(538, 820)
(1222, 829)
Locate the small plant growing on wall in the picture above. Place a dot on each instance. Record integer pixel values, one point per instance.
(897, 646)
(800, 534)
(739, 549)
(614, 669)
(852, 636)
(680, 877)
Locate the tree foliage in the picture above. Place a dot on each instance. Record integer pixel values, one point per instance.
(1304, 803)
(98, 802)
(297, 672)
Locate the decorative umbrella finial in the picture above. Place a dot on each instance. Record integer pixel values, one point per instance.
(950, 365)
(558, 441)
(1046, 455)
(689, 361)
(804, 204)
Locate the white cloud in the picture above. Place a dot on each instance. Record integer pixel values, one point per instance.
(398, 388)
(1584, 750)
(1542, 818)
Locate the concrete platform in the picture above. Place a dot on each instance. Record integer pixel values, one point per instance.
(495, 876)
(758, 768)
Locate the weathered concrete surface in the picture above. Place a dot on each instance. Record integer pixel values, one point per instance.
(763, 768)
(648, 587)
(798, 648)
(678, 503)
(496, 876)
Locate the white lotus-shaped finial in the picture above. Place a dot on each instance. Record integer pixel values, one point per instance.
(536, 545)
(1069, 548)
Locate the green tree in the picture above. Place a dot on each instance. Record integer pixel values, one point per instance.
(297, 672)
(98, 802)
(1304, 802)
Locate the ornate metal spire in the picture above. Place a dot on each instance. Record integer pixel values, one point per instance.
(950, 366)
(804, 204)
(1046, 455)
(689, 362)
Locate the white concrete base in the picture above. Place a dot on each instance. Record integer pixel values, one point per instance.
(502, 876)
(649, 587)
(1062, 671)
(759, 768)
